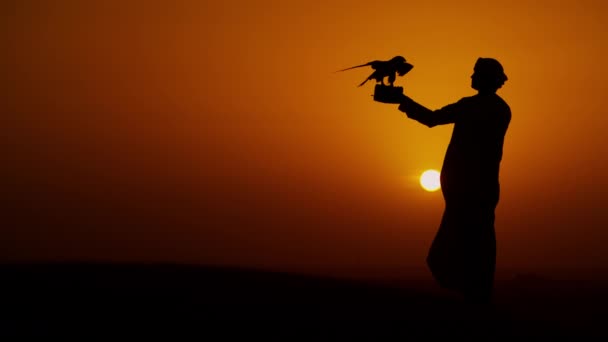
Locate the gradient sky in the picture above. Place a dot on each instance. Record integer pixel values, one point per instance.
(216, 131)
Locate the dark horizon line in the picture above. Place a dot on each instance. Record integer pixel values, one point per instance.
(331, 271)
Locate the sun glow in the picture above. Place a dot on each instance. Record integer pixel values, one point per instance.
(429, 180)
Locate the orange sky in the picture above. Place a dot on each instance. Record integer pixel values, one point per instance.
(218, 133)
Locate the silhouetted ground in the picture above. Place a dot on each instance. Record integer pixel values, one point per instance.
(90, 300)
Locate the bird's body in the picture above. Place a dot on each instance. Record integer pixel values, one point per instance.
(384, 69)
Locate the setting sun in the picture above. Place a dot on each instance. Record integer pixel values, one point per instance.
(429, 180)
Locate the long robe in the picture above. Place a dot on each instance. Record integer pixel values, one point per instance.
(462, 256)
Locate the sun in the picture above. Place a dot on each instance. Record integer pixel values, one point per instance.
(429, 180)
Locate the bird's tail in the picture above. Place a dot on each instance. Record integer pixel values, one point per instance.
(356, 66)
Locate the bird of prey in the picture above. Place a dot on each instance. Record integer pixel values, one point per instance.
(390, 69)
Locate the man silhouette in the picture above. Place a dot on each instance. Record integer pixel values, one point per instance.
(462, 256)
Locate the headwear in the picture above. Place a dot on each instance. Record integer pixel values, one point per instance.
(491, 69)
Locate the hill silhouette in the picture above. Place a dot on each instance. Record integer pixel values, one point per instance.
(109, 299)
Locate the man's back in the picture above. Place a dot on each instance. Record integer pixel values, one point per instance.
(472, 161)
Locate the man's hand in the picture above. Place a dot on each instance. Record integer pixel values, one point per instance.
(388, 94)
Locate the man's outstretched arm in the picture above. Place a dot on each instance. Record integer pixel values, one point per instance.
(425, 116)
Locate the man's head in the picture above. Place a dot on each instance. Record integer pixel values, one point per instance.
(488, 75)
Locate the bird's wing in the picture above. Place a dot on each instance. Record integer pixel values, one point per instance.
(372, 76)
(356, 66)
